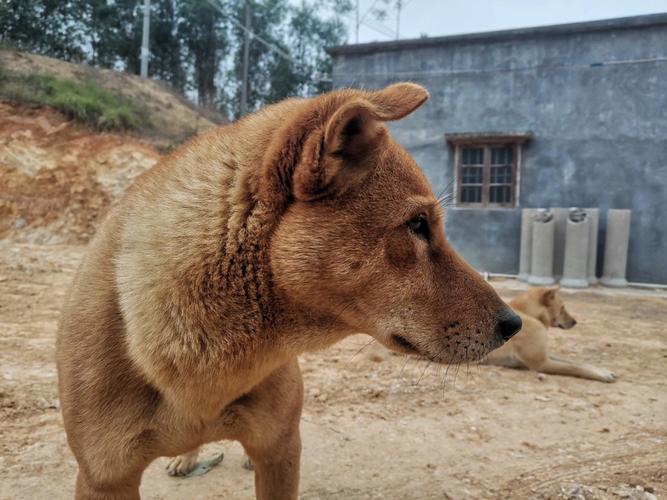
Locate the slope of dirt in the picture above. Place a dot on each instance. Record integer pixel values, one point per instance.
(170, 118)
(395, 430)
(57, 178)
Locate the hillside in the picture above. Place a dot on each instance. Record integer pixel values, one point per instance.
(63, 165)
(164, 116)
(58, 177)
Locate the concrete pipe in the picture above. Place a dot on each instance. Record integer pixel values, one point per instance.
(575, 265)
(527, 216)
(616, 248)
(591, 267)
(542, 249)
(560, 228)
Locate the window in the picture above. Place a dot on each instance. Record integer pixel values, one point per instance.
(486, 169)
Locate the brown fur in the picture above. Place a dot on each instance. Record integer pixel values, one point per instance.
(279, 234)
(540, 309)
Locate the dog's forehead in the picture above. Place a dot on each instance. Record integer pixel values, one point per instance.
(397, 177)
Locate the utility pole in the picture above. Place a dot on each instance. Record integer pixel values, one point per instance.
(356, 26)
(144, 40)
(398, 18)
(246, 55)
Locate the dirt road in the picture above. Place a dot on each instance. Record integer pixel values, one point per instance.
(390, 430)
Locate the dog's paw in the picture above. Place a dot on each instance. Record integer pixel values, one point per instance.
(605, 375)
(182, 464)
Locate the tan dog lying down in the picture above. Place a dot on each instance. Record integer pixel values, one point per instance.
(541, 308)
(278, 234)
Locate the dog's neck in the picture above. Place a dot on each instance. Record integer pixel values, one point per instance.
(235, 281)
(527, 307)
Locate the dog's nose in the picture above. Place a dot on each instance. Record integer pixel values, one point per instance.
(509, 323)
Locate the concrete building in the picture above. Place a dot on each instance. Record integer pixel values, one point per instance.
(556, 116)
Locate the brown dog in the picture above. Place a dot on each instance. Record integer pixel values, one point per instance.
(541, 308)
(279, 234)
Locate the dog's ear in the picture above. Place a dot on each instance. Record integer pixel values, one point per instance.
(337, 154)
(549, 295)
(398, 100)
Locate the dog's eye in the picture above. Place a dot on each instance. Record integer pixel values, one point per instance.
(419, 226)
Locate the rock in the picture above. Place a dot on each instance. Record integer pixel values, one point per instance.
(633, 492)
(574, 491)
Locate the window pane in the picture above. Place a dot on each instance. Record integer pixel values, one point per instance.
(499, 194)
(501, 156)
(473, 156)
(501, 175)
(471, 175)
(471, 194)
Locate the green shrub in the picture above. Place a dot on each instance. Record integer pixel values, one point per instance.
(84, 102)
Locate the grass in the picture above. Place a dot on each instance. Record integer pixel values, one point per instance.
(85, 102)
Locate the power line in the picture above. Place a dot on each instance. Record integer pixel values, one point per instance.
(388, 32)
(251, 35)
(368, 10)
(255, 36)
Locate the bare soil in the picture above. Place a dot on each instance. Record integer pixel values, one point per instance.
(402, 428)
(57, 177)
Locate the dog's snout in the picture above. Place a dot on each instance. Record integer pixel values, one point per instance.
(509, 323)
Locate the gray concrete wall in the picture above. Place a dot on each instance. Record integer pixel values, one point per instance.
(596, 102)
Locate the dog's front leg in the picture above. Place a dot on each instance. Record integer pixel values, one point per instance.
(266, 422)
(277, 469)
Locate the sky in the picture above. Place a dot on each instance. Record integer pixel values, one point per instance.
(448, 17)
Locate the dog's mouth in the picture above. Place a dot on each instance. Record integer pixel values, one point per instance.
(404, 345)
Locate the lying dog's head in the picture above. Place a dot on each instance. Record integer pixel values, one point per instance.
(554, 309)
(362, 239)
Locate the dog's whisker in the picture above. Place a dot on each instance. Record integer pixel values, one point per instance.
(444, 379)
(456, 372)
(361, 349)
(423, 371)
(400, 373)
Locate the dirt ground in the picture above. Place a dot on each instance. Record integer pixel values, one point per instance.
(397, 429)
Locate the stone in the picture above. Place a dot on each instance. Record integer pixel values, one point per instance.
(542, 249)
(616, 248)
(575, 266)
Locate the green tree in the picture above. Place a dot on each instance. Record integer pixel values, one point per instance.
(309, 35)
(204, 33)
(167, 46)
(196, 45)
(46, 27)
(289, 60)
